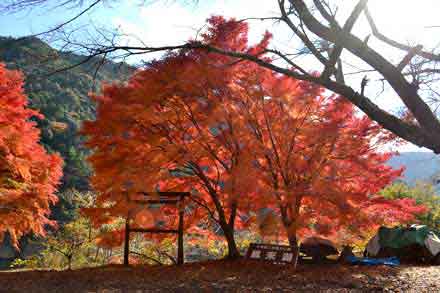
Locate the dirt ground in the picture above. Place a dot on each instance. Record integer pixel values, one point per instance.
(224, 276)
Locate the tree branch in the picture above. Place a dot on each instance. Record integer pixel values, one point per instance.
(407, 59)
(58, 27)
(336, 52)
(330, 18)
(393, 43)
(407, 93)
(301, 36)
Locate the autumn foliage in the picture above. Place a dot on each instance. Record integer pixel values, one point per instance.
(28, 174)
(316, 162)
(241, 139)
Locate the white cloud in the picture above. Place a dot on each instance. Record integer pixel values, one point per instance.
(163, 23)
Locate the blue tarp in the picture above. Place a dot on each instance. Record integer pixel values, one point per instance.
(389, 261)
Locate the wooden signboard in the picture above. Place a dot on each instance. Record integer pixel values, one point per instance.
(278, 254)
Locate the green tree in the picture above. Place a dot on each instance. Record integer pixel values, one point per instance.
(73, 244)
(423, 193)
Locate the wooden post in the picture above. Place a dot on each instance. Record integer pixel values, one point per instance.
(180, 233)
(127, 241)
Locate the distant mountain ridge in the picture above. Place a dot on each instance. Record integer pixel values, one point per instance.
(419, 166)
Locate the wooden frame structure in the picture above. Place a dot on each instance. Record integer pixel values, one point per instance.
(165, 198)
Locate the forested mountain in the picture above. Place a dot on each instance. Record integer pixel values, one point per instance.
(62, 98)
(419, 166)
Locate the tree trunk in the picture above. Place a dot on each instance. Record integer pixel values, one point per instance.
(97, 254)
(293, 242)
(228, 228)
(233, 252)
(69, 262)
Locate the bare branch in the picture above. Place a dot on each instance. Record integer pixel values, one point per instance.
(302, 37)
(61, 25)
(405, 90)
(407, 59)
(393, 43)
(336, 52)
(330, 18)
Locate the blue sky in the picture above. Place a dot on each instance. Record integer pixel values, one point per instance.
(173, 22)
(37, 20)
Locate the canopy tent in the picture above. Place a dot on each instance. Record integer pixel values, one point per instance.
(413, 242)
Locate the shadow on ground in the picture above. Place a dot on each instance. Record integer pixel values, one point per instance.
(225, 276)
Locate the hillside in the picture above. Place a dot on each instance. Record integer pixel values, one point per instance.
(62, 98)
(423, 166)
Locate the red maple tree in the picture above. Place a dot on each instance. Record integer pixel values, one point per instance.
(28, 174)
(240, 138)
(316, 161)
(166, 129)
